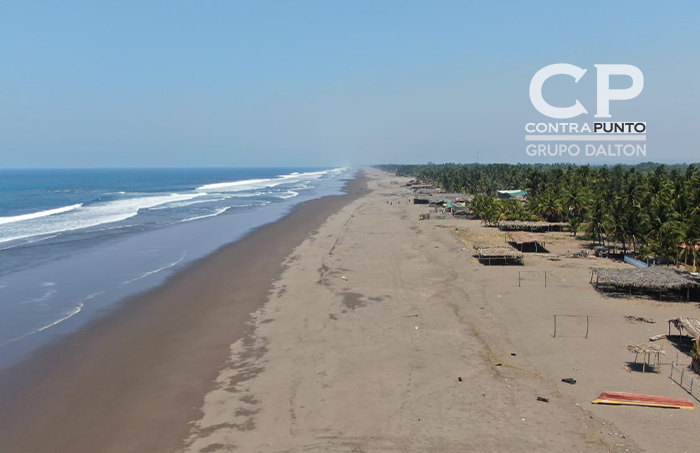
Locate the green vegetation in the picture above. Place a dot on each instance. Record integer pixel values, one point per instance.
(648, 208)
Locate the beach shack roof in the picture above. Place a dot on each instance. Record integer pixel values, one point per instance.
(494, 252)
(646, 349)
(656, 278)
(524, 237)
(518, 225)
(498, 254)
(511, 193)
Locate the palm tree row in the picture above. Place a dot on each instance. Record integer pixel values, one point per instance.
(651, 209)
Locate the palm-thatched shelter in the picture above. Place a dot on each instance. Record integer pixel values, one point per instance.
(655, 279)
(518, 225)
(690, 325)
(692, 328)
(498, 255)
(651, 354)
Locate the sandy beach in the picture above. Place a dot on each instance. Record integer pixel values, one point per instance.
(377, 316)
(353, 326)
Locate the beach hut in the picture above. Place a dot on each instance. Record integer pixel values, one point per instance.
(654, 280)
(499, 255)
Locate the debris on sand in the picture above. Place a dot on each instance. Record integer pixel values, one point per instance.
(634, 319)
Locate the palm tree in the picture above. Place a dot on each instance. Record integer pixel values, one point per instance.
(664, 244)
(597, 219)
(690, 237)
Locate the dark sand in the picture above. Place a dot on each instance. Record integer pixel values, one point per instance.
(132, 380)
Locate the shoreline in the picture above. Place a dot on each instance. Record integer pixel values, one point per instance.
(138, 365)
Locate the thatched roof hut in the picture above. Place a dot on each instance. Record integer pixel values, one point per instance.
(500, 255)
(518, 225)
(650, 352)
(655, 278)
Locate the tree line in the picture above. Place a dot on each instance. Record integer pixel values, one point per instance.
(648, 208)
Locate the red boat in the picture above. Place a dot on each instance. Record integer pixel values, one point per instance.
(638, 399)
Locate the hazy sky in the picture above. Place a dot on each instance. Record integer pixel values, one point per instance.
(258, 83)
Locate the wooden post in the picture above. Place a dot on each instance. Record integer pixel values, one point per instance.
(545, 279)
(555, 326)
(518, 279)
(644, 365)
(587, 324)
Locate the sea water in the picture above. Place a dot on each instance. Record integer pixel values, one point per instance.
(75, 242)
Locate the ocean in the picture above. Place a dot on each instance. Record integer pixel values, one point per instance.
(75, 242)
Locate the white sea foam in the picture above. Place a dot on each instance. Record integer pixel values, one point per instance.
(38, 215)
(213, 214)
(254, 194)
(287, 194)
(88, 216)
(255, 184)
(155, 271)
(66, 316)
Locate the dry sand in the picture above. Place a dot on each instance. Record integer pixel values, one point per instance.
(362, 343)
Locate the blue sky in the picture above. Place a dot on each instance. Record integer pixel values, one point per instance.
(226, 83)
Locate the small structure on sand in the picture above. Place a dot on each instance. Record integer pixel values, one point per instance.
(648, 280)
(691, 326)
(650, 353)
(527, 242)
(499, 255)
(518, 225)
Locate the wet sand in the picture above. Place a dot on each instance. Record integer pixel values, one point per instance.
(133, 379)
